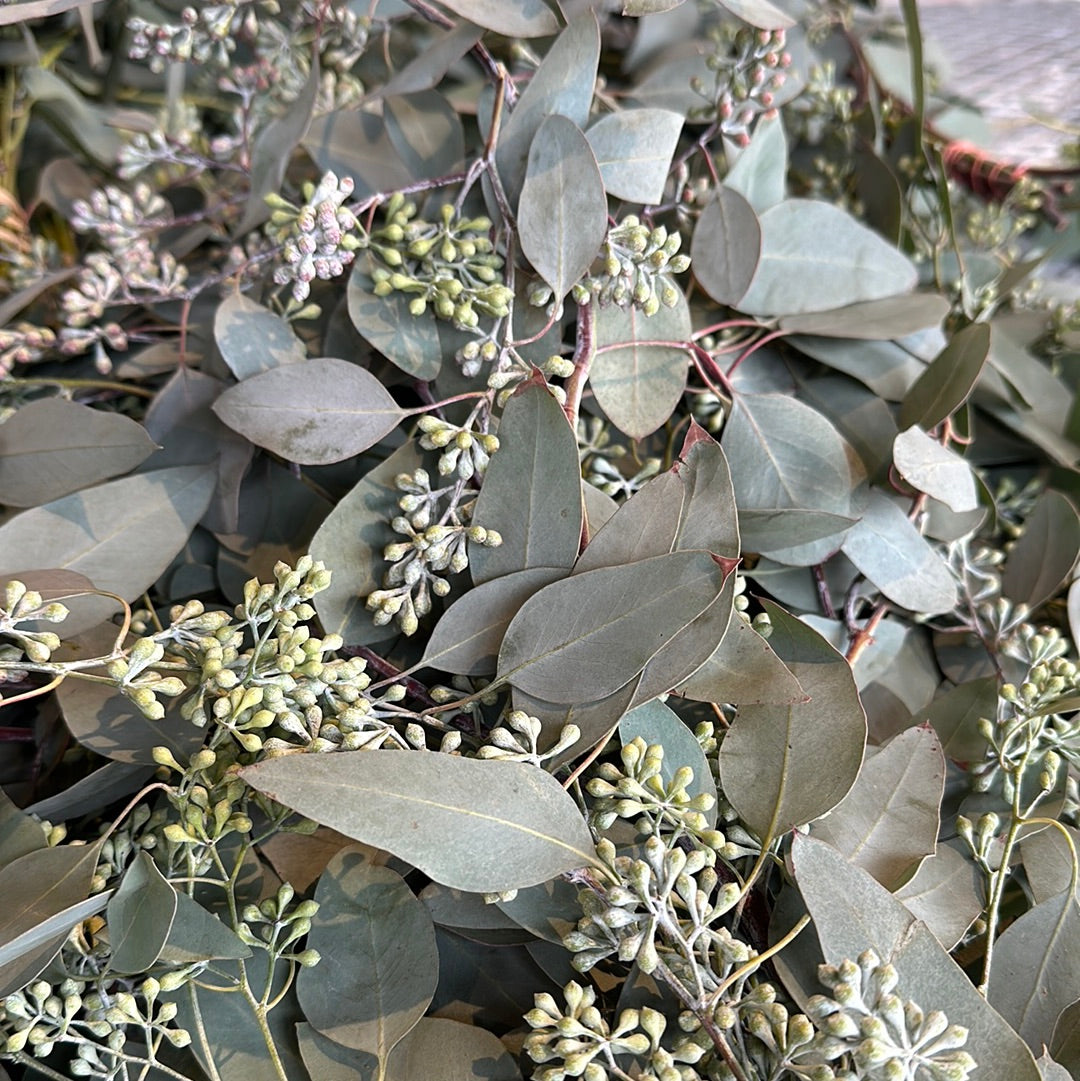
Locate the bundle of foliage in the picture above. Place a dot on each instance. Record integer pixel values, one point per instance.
(534, 542)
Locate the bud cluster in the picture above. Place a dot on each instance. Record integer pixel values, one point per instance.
(636, 265)
(23, 343)
(281, 924)
(749, 67)
(435, 525)
(205, 34)
(578, 1038)
(519, 740)
(866, 1023)
(319, 238)
(21, 605)
(450, 265)
(463, 450)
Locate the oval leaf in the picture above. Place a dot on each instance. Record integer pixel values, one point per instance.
(531, 491)
(52, 447)
(480, 826)
(1045, 554)
(891, 552)
(367, 997)
(253, 339)
(633, 149)
(562, 214)
(785, 456)
(316, 413)
(513, 18)
(852, 912)
(638, 384)
(888, 823)
(948, 380)
(562, 85)
(351, 541)
(936, 470)
(782, 766)
(466, 639)
(585, 637)
(458, 1049)
(815, 256)
(1036, 970)
(893, 317)
(121, 535)
(139, 915)
(726, 247)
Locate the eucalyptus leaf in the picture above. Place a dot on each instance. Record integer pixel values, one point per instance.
(692, 505)
(633, 148)
(759, 173)
(605, 625)
(354, 143)
(1048, 861)
(759, 13)
(198, 935)
(253, 339)
(475, 825)
(52, 447)
(892, 317)
(45, 895)
(726, 247)
(657, 723)
(852, 913)
(369, 996)
(889, 550)
(467, 638)
(428, 69)
(322, 411)
(331, 1061)
(562, 84)
(425, 131)
(936, 470)
(888, 823)
(1045, 555)
(785, 765)
(409, 341)
(636, 376)
(743, 670)
(514, 18)
(351, 540)
(946, 893)
(19, 833)
(955, 717)
(110, 724)
(532, 489)
(562, 213)
(1036, 968)
(121, 534)
(441, 1049)
(139, 915)
(786, 457)
(1065, 1045)
(815, 257)
(946, 383)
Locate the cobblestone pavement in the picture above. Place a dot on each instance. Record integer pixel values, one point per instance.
(1019, 60)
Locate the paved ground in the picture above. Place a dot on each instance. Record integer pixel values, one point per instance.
(1020, 61)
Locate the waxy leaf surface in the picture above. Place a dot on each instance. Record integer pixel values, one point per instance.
(482, 826)
(369, 995)
(562, 213)
(316, 413)
(587, 636)
(52, 447)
